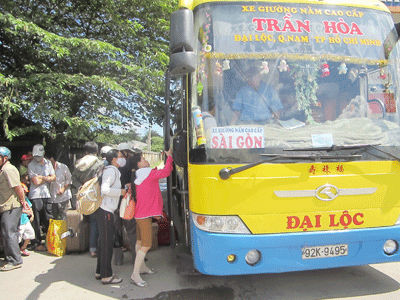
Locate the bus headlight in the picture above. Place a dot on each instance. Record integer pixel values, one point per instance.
(390, 247)
(220, 224)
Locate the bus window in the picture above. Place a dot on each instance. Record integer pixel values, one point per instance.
(275, 89)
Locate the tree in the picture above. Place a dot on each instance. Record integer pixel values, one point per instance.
(157, 144)
(112, 138)
(77, 67)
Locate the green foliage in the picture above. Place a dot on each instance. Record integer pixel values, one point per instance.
(112, 138)
(157, 144)
(78, 68)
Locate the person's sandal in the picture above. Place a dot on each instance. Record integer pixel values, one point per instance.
(149, 272)
(97, 276)
(9, 267)
(113, 280)
(139, 284)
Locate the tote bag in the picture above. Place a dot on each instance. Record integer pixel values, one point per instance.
(127, 208)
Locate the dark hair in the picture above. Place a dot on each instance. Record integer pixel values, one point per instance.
(133, 164)
(50, 154)
(91, 148)
(134, 160)
(110, 155)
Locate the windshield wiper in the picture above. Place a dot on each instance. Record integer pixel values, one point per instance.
(225, 173)
(333, 148)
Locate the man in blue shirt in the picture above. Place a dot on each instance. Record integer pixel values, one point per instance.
(256, 103)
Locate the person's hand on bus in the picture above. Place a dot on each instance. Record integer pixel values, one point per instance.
(168, 153)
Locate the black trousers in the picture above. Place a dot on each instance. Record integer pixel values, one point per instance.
(42, 214)
(9, 224)
(105, 224)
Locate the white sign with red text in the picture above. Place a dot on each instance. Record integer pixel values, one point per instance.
(241, 137)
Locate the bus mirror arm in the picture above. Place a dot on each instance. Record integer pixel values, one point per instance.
(226, 173)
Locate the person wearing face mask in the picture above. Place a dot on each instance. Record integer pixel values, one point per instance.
(41, 174)
(126, 151)
(111, 191)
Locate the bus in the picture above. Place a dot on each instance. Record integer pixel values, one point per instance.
(287, 143)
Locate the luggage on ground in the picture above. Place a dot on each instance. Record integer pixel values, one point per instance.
(78, 225)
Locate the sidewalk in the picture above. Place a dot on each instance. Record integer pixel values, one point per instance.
(45, 276)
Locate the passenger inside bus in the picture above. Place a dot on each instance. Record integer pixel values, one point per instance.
(256, 101)
(208, 115)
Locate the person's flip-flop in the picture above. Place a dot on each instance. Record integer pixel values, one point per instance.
(149, 272)
(9, 267)
(113, 280)
(139, 284)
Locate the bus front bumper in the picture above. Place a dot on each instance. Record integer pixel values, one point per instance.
(283, 252)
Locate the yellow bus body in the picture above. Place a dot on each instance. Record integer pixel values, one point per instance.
(251, 195)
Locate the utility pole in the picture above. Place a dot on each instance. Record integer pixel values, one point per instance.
(149, 139)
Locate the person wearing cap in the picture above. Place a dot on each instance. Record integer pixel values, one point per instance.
(41, 174)
(130, 225)
(103, 151)
(25, 160)
(12, 200)
(60, 189)
(256, 102)
(85, 169)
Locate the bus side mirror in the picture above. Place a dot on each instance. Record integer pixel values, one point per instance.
(183, 59)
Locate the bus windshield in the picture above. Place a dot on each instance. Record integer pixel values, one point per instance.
(275, 77)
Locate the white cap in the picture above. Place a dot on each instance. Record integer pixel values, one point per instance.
(124, 146)
(105, 149)
(38, 150)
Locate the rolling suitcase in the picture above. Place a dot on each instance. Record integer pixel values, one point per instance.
(78, 225)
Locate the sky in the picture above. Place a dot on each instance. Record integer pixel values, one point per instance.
(144, 128)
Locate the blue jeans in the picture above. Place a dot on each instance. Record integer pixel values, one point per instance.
(94, 232)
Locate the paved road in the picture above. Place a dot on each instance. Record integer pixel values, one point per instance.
(44, 276)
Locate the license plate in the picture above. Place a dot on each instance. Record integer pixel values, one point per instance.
(324, 251)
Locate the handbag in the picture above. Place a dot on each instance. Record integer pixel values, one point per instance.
(127, 208)
(55, 243)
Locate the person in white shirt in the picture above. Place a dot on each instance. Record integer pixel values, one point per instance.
(41, 174)
(111, 192)
(60, 190)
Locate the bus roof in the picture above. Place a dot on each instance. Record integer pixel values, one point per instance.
(372, 4)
